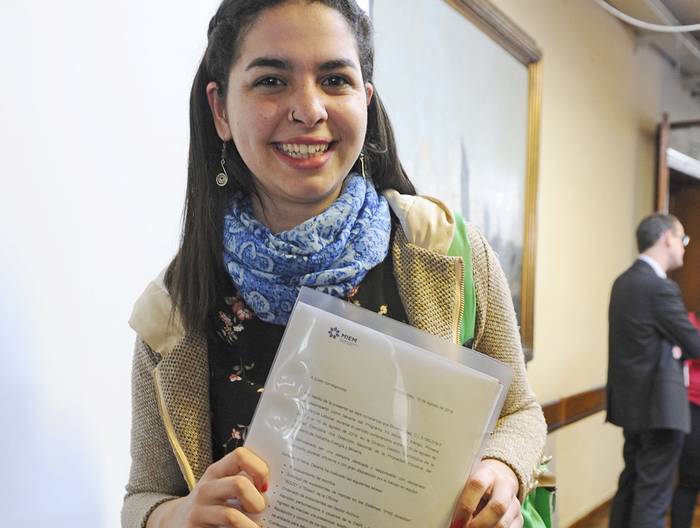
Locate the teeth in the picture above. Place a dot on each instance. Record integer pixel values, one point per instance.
(296, 150)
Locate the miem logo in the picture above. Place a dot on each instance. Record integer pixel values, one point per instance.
(346, 339)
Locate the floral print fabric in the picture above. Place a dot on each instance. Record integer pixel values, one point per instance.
(242, 347)
(241, 350)
(331, 252)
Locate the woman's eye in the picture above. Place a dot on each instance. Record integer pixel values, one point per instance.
(335, 81)
(269, 82)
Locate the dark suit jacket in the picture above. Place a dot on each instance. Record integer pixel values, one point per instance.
(645, 384)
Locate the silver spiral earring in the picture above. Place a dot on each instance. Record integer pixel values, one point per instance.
(362, 164)
(222, 177)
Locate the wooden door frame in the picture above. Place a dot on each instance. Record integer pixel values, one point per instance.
(663, 175)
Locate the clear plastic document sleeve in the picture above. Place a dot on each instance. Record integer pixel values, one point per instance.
(367, 422)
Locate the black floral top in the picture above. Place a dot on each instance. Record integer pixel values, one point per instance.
(242, 349)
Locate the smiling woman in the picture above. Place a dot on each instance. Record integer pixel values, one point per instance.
(300, 110)
(294, 180)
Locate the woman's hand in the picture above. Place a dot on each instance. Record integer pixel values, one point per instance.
(240, 476)
(489, 499)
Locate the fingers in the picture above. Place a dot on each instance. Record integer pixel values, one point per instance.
(489, 498)
(240, 460)
(240, 477)
(519, 522)
(239, 487)
(222, 516)
(498, 506)
(478, 486)
(498, 513)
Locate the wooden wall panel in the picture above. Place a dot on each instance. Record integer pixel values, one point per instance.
(685, 204)
(573, 408)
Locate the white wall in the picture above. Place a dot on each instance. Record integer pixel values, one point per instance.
(93, 140)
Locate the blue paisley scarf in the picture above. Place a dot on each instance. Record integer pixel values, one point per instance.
(331, 252)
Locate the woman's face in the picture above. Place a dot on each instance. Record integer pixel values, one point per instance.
(296, 105)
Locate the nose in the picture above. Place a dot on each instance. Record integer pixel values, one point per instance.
(308, 106)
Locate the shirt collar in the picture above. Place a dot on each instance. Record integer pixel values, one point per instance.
(654, 265)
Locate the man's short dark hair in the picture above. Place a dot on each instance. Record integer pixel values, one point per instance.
(652, 227)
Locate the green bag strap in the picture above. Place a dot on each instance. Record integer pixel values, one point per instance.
(460, 247)
(538, 508)
(532, 517)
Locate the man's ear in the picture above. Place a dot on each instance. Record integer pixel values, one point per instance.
(668, 238)
(218, 111)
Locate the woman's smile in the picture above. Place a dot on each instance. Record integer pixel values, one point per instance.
(302, 150)
(305, 153)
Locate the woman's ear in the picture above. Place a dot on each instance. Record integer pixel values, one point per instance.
(218, 111)
(369, 90)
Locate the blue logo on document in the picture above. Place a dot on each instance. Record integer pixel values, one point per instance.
(346, 339)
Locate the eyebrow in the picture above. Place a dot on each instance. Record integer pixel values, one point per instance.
(281, 64)
(268, 62)
(337, 64)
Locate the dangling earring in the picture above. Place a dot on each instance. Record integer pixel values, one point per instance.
(362, 164)
(222, 177)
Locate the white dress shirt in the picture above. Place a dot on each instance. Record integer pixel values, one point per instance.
(654, 265)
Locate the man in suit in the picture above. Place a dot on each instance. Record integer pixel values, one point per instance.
(645, 391)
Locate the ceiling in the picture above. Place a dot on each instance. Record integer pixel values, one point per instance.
(682, 49)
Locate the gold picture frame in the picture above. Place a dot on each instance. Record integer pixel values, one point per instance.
(392, 22)
(523, 48)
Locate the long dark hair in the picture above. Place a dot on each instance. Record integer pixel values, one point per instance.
(198, 268)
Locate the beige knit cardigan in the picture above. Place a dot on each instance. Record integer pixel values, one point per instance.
(171, 428)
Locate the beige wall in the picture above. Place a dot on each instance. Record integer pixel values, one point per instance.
(602, 98)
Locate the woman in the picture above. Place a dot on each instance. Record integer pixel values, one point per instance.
(686, 494)
(289, 146)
